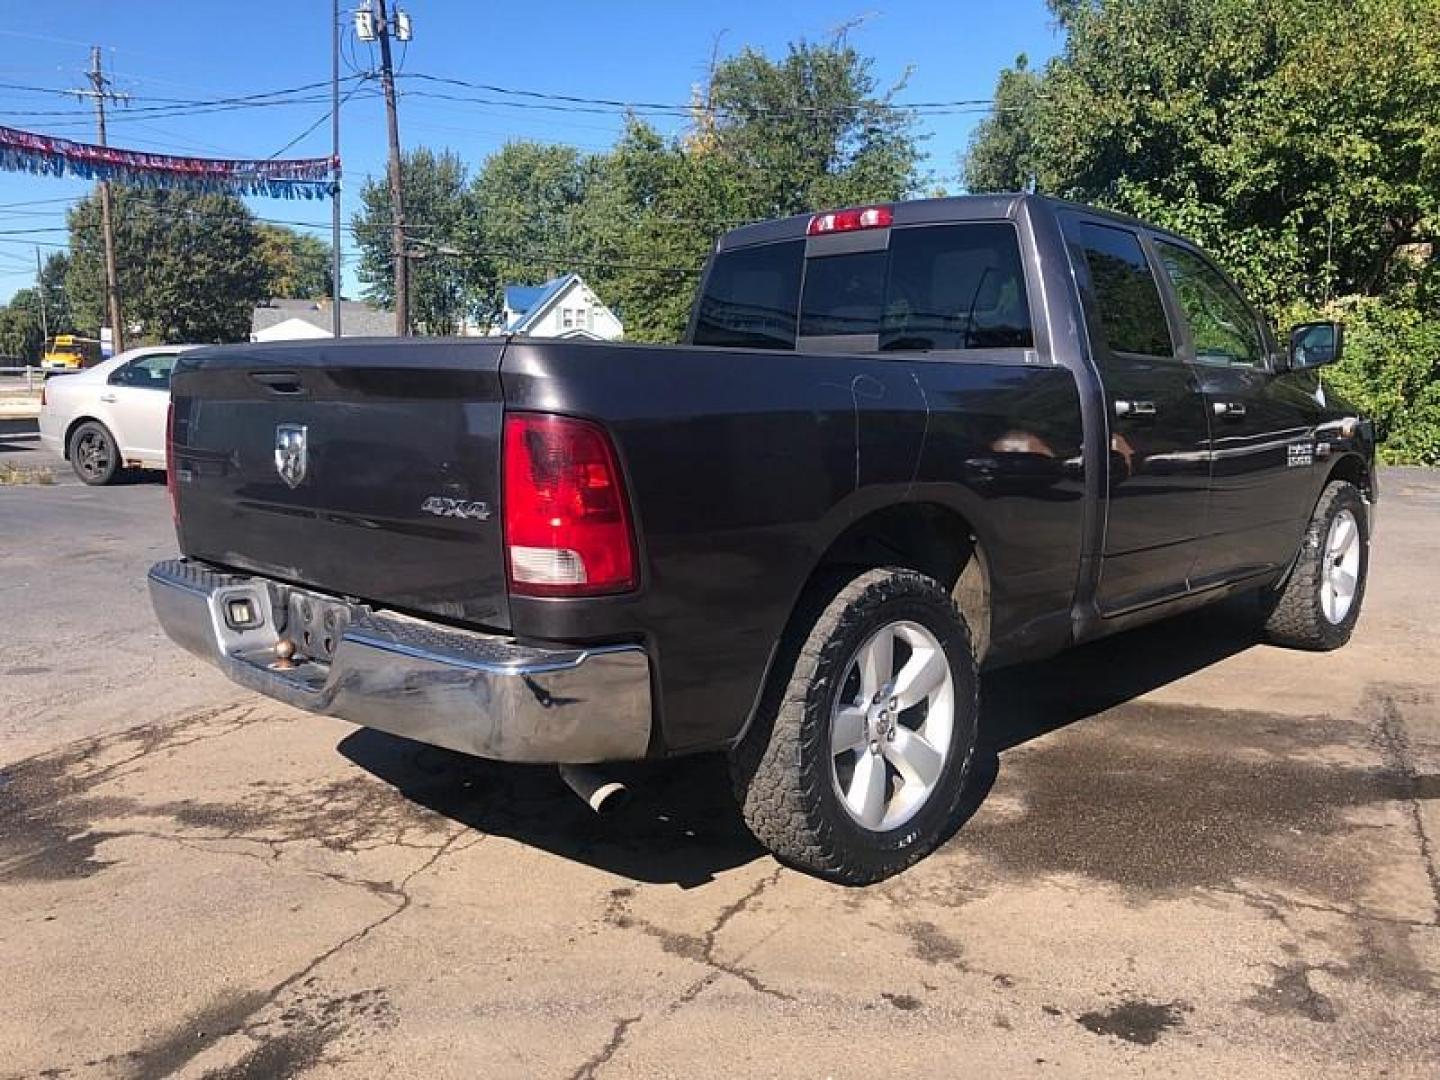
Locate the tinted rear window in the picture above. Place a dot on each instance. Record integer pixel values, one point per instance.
(750, 297)
(844, 294)
(937, 287)
(1128, 299)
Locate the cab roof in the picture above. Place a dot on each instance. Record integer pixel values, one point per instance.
(920, 212)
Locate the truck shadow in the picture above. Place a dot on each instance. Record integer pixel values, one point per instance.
(682, 827)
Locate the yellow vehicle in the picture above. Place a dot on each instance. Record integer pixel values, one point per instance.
(70, 352)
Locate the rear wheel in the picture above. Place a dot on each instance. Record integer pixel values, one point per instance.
(856, 763)
(1319, 603)
(93, 453)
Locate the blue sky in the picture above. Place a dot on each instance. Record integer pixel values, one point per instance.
(204, 49)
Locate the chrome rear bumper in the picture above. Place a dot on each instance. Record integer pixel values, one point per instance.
(477, 693)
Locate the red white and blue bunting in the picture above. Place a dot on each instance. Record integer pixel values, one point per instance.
(297, 178)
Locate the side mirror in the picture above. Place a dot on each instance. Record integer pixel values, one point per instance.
(1316, 343)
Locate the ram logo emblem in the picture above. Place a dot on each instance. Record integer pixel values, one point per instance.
(292, 457)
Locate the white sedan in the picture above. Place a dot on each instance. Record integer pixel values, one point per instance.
(111, 416)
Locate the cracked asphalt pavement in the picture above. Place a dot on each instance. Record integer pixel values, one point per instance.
(1186, 854)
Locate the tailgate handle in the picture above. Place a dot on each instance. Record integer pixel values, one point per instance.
(280, 382)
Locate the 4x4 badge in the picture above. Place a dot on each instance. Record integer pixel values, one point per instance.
(292, 458)
(441, 506)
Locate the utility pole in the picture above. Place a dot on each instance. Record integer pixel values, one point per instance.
(100, 91)
(384, 27)
(40, 292)
(335, 167)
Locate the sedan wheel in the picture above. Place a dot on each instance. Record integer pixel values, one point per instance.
(93, 454)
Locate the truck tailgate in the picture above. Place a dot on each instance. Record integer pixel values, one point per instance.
(369, 468)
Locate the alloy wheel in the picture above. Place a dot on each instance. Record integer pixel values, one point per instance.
(892, 725)
(1341, 570)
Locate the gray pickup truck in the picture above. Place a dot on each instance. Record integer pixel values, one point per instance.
(899, 443)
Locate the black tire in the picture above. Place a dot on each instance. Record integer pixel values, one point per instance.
(783, 770)
(1295, 611)
(93, 453)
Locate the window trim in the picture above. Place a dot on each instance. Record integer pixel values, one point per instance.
(1192, 356)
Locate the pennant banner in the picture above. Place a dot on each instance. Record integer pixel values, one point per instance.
(302, 178)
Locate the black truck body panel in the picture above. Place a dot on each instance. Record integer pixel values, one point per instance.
(390, 424)
(745, 466)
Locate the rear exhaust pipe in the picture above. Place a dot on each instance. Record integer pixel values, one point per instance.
(596, 790)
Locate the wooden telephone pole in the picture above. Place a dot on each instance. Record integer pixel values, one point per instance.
(385, 27)
(100, 91)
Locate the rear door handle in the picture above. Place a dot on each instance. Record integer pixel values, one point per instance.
(1134, 408)
(1228, 408)
(107, 397)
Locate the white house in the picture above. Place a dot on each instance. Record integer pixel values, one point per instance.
(563, 307)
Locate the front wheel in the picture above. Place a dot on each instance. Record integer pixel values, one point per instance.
(93, 453)
(1318, 604)
(855, 766)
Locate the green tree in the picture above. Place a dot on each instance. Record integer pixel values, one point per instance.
(526, 213)
(58, 317)
(808, 131)
(189, 265)
(651, 221)
(21, 339)
(297, 265)
(1297, 140)
(1001, 154)
(770, 138)
(445, 286)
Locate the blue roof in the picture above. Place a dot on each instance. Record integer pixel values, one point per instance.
(521, 298)
(528, 300)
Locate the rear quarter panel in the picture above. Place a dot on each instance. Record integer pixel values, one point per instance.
(744, 466)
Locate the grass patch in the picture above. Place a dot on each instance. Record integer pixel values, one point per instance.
(12, 474)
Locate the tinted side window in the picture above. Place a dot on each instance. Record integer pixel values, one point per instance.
(937, 287)
(1221, 323)
(751, 296)
(1131, 314)
(147, 372)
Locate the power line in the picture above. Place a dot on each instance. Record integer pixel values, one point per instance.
(686, 109)
(560, 102)
(164, 102)
(325, 116)
(561, 257)
(164, 112)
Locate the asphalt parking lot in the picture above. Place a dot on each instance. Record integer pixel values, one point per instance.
(1188, 854)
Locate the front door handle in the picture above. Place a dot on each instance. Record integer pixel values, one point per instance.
(1228, 408)
(1134, 408)
(109, 398)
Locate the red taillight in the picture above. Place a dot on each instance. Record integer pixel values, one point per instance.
(567, 526)
(861, 217)
(42, 395)
(171, 482)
